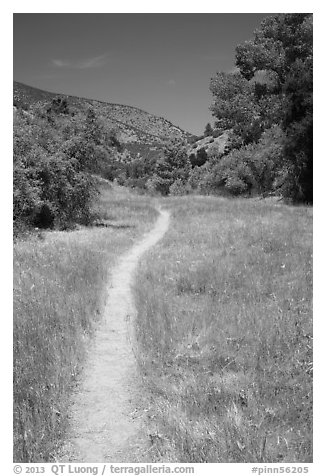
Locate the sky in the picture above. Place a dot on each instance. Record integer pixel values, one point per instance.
(161, 63)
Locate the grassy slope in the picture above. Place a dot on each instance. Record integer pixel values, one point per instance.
(59, 292)
(225, 333)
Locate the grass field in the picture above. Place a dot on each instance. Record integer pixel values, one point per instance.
(59, 291)
(224, 333)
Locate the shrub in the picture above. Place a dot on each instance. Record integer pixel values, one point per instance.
(178, 188)
(198, 179)
(267, 157)
(53, 162)
(59, 105)
(157, 184)
(235, 185)
(233, 173)
(26, 195)
(173, 165)
(199, 159)
(253, 167)
(208, 130)
(44, 216)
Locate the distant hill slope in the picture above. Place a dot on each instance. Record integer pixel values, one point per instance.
(212, 145)
(134, 126)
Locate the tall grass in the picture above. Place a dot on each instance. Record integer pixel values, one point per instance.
(59, 292)
(225, 333)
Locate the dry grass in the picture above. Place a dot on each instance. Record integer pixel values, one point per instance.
(59, 291)
(225, 333)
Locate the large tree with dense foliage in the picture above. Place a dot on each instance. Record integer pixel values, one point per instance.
(234, 105)
(273, 86)
(280, 41)
(283, 48)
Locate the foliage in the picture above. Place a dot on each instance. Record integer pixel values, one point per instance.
(138, 170)
(67, 188)
(298, 124)
(178, 188)
(55, 152)
(174, 164)
(59, 105)
(278, 43)
(273, 86)
(157, 184)
(283, 49)
(26, 196)
(250, 168)
(208, 130)
(266, 159)
(234, 105)
(199, 158)
(233, 171)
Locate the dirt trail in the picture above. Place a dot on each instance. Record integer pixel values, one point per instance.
(103, 423)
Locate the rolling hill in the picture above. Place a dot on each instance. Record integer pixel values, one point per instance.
(136, 129)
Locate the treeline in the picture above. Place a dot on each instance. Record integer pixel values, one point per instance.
(273, 88)
(266, 107)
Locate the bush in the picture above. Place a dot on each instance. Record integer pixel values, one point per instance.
(198, 179)
(267, 157)
(59, 105)
(44, 216)
(53, 162)
(233, 173)
(235, 185)
(26, 195)
(173, 165)
(178, 188)
(156, 184)
(208, 130)
(199, 159)
(255, 167)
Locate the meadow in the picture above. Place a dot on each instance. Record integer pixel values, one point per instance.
(224, 332)
(60, 281)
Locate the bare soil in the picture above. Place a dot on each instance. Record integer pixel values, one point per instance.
(106, 425)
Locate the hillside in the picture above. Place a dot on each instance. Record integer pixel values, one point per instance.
(60, 141)
(133, 125)
(211, 145)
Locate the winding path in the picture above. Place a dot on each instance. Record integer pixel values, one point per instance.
(103, 423)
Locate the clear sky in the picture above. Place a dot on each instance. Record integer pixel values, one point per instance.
(161, 63)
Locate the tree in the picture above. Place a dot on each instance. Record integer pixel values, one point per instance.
(208, 130)
(273, 86)
(198, 159)
(282, 48)
(298, 125)
(278, 43)
(173, 165)
(235, 106)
